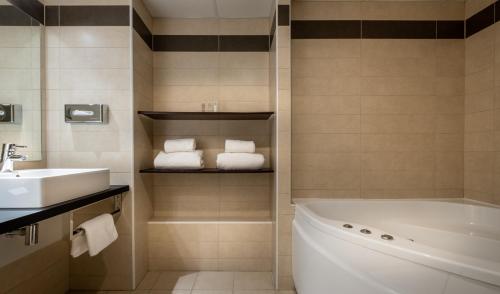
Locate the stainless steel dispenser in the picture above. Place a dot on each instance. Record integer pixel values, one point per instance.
(11, 113)
(86, 113)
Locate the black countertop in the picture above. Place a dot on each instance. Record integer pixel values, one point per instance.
(14, 218)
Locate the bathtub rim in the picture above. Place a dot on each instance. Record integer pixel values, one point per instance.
(466, 266)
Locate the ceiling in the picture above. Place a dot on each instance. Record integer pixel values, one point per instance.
(209, 8)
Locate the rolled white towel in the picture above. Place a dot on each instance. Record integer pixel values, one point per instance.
(179, 160)
(180, 145)
(232, 161)
(238, 146)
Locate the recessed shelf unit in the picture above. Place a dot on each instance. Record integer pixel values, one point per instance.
(162, 115)
(203, 171)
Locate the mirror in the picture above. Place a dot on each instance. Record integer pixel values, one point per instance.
(20, 80)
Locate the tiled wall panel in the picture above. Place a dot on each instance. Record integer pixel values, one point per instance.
(212, 246)
(238, 81)
(481, 112)
(377, 118)
(143, 136)
(44, 271)
(91, 64)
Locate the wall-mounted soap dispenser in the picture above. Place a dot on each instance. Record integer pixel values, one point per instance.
(11, 114)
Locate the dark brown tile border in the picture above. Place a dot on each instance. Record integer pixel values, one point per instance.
(480, 20)
(497, 11)
(450, 29)
(392, 29)
(326, 29)
(253, 43)
(211, 43)
(114, 15)
(377, 29)
(283, 15)
(31, 7)
(51, 15)
(12, 16)
(185, 43)
(142, 29)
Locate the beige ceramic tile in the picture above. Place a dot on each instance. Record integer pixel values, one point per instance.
(253, 281)
(175, 281)
(214, 281)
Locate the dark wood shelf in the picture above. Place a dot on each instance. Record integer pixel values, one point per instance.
(15, 218)
(160, 115)
(203, 171)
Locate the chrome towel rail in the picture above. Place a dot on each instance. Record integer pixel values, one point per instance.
(117, 206)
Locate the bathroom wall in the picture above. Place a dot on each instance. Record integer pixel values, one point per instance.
(42, 268)
(188, 205)
(379, 116)
(273, 94)
(183, 80)
(89, 61)
(143, 133)
(374, 118)
(43, 271)
(285, 210)
(482, 169)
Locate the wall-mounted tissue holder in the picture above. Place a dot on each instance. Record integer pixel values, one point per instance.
(11, 113)
(86, 113)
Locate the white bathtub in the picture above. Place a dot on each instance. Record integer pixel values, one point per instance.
(440, 247)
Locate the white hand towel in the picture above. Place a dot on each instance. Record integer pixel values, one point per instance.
(99, 233)
(180, 145)
(79, 245)
(232, 161)
(179, 160)
(237, 146)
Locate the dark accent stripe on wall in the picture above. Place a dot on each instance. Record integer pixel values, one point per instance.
(12, 16)
(113, 15)
(497, 11)
(142, 29)
(211, 43)
(95, 15)
(256, 43)
(326, 29)
(377, 29)
(453, 29)
(51, 15)
(392, 29)
(480, 20)
(190, 43)
(283, 15)
(31, 7)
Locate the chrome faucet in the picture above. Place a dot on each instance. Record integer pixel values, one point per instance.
(8, 156)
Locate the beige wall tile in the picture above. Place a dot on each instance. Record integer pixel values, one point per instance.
(44, 271)
(232, 246)
(326, 10)
(412, 10)
(474, 6)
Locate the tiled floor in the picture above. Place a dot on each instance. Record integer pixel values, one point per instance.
(205, 283)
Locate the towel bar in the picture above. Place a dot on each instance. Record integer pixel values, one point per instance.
(117, 206)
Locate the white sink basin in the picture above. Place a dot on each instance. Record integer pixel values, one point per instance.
(34, 188)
